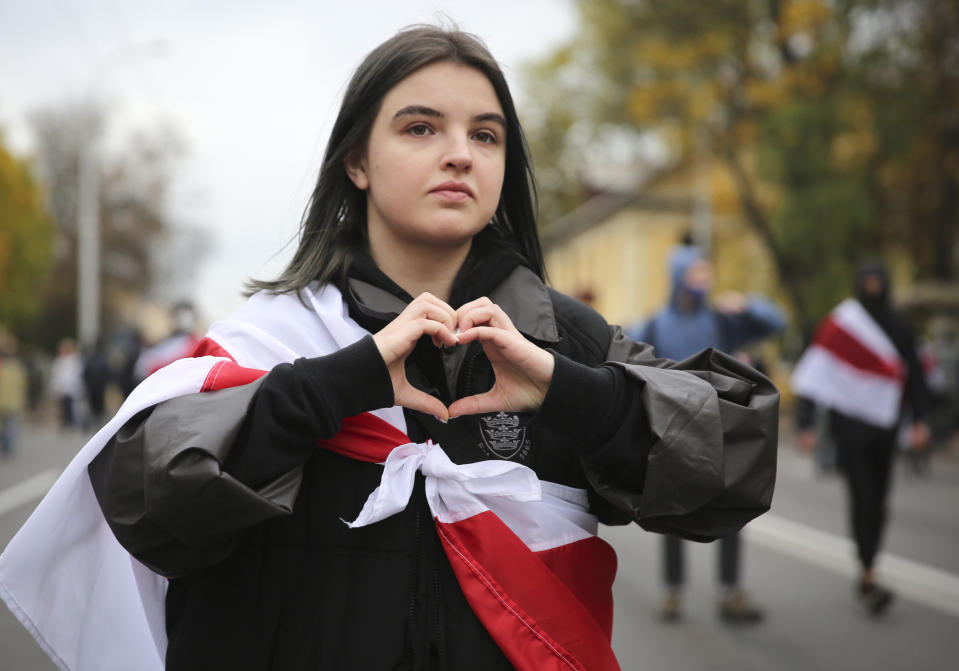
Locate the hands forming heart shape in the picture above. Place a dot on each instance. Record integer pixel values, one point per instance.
(523, 371)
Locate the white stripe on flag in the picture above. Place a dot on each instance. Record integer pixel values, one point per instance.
(826, 379)
(852, 317)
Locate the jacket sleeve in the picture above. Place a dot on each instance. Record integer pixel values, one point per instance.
(761, 319)
(686, 448)
(181, 481)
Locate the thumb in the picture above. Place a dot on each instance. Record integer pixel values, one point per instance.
(414, 399)
(474, 405)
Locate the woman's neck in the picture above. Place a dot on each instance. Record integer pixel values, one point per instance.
(421, 269)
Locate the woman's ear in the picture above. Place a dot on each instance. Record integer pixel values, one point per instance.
(356, 171)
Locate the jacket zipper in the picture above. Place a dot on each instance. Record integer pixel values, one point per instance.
(467, 385)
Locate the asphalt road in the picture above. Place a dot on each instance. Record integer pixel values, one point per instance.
(798, 566)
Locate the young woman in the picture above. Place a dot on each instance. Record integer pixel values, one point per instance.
(409, 374)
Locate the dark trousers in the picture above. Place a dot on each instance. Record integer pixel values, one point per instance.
(68, 412)
(674, 563)
(864, 455)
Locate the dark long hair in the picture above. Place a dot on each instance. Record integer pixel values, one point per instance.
(334, 228)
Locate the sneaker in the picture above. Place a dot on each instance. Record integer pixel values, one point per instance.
(669, 609)
(736, 608)
(875, 598)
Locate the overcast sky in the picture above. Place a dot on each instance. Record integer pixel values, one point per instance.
(252, 87)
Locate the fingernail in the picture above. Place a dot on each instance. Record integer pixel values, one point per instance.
(440, 419)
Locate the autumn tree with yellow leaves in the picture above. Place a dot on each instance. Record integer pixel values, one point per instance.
(26, 242)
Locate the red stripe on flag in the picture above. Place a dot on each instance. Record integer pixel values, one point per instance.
(224, 374)
(210, 347)
(592, 586)
(532, 614)
(365, 437)
(844, 345)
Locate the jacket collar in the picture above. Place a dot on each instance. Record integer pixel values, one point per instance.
(521, 294)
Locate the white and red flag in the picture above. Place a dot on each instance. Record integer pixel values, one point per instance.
(853, 367)
(524, 551)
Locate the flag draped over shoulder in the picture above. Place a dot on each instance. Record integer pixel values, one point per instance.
(853, 367)
(524, 551)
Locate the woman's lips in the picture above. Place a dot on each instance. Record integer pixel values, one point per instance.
(451, 195)
(453, 192)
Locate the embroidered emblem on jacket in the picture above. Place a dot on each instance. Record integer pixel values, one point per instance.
(504, 436)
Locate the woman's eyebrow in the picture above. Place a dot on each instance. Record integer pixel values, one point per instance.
(417, 110)
(491, 116)
(424, 110)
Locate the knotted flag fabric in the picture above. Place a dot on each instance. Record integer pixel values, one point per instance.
(524, 551)
(853, 367)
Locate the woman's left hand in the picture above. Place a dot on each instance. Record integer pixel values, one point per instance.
(523, 371)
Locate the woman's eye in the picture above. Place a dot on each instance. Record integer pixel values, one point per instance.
(418, 130)
(485, 137)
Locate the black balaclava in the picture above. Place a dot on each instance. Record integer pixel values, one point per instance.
(878, 304)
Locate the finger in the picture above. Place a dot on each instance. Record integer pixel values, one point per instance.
(441, 334)
(400, 336)
(511, 347)
(434, 309)
(474, 405)
(476, 302)
(490, 314)
(426, 304)
(414, 399)
(466, 308)
(494, 334)
(449, 325)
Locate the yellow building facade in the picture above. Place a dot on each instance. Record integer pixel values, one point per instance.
(616, 247)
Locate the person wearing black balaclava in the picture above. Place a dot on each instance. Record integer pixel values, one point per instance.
(865, 451)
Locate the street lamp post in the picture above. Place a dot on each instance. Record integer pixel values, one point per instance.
(88, 199)
(88, 244)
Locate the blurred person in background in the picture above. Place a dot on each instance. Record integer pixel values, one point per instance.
(864, 367)
(689, 324)
(939, 356)
(37, 364)
(13, 393)
(96, 378)
(181, 341)
(124, 352)
(66, 384)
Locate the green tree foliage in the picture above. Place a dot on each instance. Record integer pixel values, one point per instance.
(26, 243)
(838, 121)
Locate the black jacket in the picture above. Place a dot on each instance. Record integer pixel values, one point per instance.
(226, 493)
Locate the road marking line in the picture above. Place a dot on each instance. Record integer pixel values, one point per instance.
(26, 491)
(929, 586)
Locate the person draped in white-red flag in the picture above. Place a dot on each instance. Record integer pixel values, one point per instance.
(862, 366)
(397, 454)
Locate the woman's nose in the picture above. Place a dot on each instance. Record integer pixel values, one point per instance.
(458, 155)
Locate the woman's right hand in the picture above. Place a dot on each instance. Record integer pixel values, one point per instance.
(425, 315)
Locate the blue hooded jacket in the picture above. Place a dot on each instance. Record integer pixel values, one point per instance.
(678, 333)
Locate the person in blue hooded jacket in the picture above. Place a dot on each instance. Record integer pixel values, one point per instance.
(689, 324)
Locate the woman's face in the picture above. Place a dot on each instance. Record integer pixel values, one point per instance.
(434, 165)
